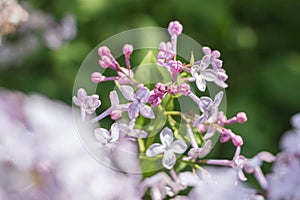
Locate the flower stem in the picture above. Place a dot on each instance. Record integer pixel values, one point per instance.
(157, 121)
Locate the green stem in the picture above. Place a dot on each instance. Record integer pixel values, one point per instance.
(157, 121)
(141, 145)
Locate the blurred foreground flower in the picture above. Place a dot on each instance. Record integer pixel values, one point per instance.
(42, 158)
(11, 16)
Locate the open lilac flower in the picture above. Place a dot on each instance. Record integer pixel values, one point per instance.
(253, 166)
(125, 76)
(240, 163)
(200, 152)
(168, 148)
(131, 131)
(108, 139)
(139, 99)
(161, 185)
(201, 74)
(87, 104)
(209, 109)
(117, 109)
(165, 54)
(212, 57)
(106, 58)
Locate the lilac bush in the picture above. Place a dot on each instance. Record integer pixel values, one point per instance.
(181, 149)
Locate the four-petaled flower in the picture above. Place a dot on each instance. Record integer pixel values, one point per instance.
(209, 109)
(212, 57)
(139, 99)
(129, 130)
(87, 104)
(108, 139)
(201, 74)
(168, 148)
(199, 152)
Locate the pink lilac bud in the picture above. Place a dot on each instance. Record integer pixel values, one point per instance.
(127, 49)
(106, 62)
(154, 100)
(175, 68)
(221, 118)
(241, 117)
(225, 135)
(104, 51)
(141, 85)
(115, 114)
(237, 140)
(202, 128)
(97, 77)
(175, 28)
(184, 89)
(172, 89)
(159, 89)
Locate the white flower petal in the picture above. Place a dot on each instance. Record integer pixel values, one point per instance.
(201, 84)
(102, 135)
(127, 92)
(169, 159)
(154, 150)
(178, 147)
(166, 137)
(114, 132)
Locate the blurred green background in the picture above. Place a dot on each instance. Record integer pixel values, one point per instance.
(259, 42)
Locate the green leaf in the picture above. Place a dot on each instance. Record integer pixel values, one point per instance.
(149, 72)
(168, 103)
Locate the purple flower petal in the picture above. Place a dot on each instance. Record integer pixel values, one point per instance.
(178, 147)
(209, 75)
(204, 103)
(241, 175)
(218, 99)
(200, 120)
(127, 92)
(143, 95)
(81, 94)
(146, 111)
(154, 150)
(166, 137)
(205, 149)
(114, 99)
(169, 159)
(133, 110)
(76, 101)
(206, 50)
(266, 156)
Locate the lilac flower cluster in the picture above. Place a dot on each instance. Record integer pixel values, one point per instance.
(284, 180)
(191, 145)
